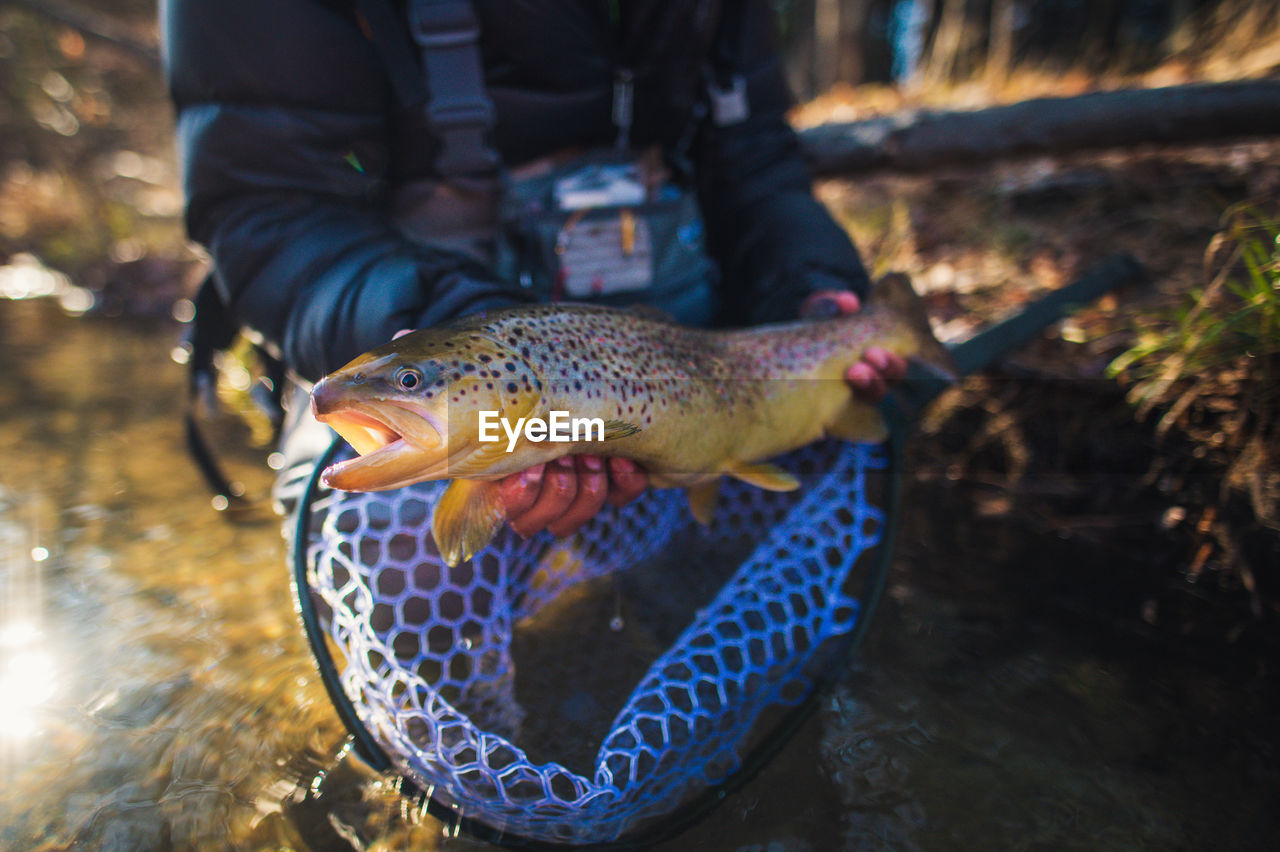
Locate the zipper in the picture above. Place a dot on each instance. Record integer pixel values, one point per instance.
(624, 98)
(623, 106)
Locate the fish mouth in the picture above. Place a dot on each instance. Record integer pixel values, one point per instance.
(366, 434)
(396, 445)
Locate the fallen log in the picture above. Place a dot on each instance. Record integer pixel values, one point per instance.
(926, 139)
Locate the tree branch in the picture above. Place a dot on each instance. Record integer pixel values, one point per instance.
(1207, 112)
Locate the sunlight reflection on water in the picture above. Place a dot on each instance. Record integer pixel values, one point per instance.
(29, 668)
(28, 679)
(25, 277)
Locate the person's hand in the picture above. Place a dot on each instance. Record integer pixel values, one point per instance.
(564, 494)
(871, 376)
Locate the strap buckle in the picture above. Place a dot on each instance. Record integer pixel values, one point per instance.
(458, 108)
(729, 104)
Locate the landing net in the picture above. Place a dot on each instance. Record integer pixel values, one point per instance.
(578, 691)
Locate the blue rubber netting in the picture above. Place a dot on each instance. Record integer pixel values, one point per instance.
(569, 691)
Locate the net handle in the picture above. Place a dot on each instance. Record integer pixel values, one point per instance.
(900, 410)
(362, 740)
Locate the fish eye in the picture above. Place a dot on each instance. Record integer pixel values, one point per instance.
(409, 379)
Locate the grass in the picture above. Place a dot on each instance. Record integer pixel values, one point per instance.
(1231, 326)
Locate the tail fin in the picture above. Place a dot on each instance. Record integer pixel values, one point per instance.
(894, 290)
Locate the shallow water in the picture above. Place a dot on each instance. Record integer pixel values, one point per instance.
(157, 691)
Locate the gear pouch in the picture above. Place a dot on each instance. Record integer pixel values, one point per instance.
(607, 230)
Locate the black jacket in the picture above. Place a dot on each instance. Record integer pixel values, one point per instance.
(277, 101)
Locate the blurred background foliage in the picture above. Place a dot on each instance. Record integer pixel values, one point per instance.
(930, 43)
(88, 178)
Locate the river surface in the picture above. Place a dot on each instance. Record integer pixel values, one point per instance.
(156, 691)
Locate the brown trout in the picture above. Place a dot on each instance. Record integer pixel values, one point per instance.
(489, 395)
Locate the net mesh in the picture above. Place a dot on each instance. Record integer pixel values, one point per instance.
(572, 690)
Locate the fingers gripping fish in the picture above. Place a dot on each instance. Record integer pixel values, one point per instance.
(690, 405)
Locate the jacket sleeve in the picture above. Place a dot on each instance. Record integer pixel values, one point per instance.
(282, 128)
(775, 242)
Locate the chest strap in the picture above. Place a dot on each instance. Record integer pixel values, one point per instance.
(447, 81)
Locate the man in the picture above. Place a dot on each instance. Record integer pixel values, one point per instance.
(306, 177)
(642, 141)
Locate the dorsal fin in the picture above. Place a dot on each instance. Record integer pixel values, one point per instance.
(649, 312)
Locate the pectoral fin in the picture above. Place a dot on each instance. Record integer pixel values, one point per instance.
(615, 429)
(770, 477)
(478, 461)
(859, 422)
(702, 500)
(466, 519)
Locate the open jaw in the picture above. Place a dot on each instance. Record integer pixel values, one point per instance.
(396, 447)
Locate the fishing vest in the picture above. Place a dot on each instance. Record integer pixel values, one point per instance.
(612, 226)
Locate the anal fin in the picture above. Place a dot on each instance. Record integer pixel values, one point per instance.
(770, 477)
(468, 516)
(702, 500)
